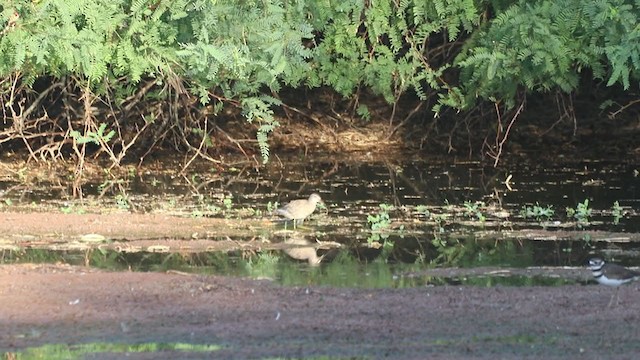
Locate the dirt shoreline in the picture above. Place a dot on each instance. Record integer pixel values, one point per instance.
(57, 304)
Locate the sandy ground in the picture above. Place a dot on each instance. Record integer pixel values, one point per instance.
(51, 304)
(60, 304)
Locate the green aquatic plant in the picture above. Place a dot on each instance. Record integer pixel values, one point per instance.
(122, 201)
(617, 212)
(272, 206)
(473, 210)
(196, 213)
(381, 220)
(376, 239)
(581, 213)
(213, 209)
(251, 212)
(423, 210)
(72, 209)
(449, 251)
(204, 206)
(440, 220)
(227, 202)
(195, 179)
(379, 226)
(537, 212)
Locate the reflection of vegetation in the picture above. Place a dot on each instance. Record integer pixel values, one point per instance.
(343, 269)
(471, 252)
(347, 271)
(265, 265)
(515, 280)
(80, 351)
(37, 256)
(387, 249)
(102, 259)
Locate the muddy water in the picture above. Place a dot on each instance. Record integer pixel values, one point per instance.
(384, 225)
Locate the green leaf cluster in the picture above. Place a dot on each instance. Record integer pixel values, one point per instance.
(545, 45)
(240, 48)
(96, 40)
(388, 47)
(97, 137)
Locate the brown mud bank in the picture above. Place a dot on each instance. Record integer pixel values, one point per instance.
(257, 319)
(59, 227)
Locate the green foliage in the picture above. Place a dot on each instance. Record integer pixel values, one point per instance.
(386, 46)
(242, 53)
(363, 112)
(260, 109)
(241, 47)
(616, 35)
(544, 45)
(531, 44)
(94, 39)
(227, 204)
(226, 49)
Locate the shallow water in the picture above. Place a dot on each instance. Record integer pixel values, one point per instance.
(439, 215)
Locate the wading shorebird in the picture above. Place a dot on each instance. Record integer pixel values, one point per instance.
(298, 210)
(611, 275)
